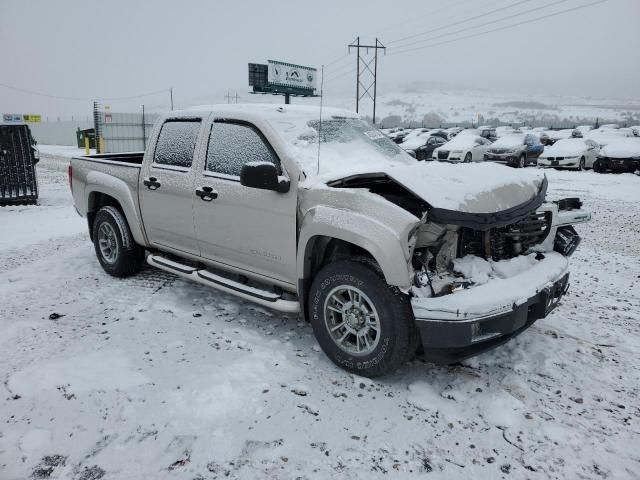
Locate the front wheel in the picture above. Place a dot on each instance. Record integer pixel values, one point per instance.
(597, 167)
(116, 250)
(362, 324)
(522, 161)
(581, 165)
(467, 158)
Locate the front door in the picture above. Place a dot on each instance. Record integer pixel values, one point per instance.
(167, 188)
(246, 228)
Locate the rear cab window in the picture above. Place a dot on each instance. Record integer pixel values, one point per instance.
(176, 144)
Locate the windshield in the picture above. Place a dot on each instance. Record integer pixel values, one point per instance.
(508, 141)
(346, 145)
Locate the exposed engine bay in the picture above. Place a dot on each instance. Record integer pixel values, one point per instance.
(495, 243)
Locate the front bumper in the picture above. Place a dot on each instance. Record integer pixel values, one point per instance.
(570, 162)
(465, 323)
(508, 158)
(620, 164)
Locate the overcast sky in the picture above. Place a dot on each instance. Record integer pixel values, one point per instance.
(116, 48)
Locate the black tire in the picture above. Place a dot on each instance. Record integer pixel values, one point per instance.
(597, 167)
(128, 257)
(467, 158)
(581, 165)
(397, 338)
(522, 162)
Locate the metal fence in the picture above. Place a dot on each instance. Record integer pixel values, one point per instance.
(122, 132)
(18, 182)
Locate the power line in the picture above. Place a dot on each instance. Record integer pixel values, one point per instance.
(60, 97)
(508, 17)
(419, 34)
(513, 25)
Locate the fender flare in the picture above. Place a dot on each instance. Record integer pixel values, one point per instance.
(384, 245)
(99, 182)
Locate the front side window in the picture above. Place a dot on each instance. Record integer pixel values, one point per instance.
(231, 145)
(176, 143)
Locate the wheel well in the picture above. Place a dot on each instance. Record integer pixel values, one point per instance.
(97, 200)
(320, 251)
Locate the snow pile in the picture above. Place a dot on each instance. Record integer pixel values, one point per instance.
(479, 271)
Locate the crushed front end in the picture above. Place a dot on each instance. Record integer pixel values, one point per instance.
(480, 279)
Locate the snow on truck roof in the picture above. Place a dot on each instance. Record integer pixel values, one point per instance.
(347, 143)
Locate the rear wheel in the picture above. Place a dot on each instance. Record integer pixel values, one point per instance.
(362, 324)
(467, 158)
(115, 248)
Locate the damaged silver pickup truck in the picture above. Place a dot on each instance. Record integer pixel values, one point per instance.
(327, 217)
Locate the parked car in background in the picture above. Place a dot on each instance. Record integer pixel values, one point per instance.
(515, 150)
(607, 135)
(549, 137)
(422, 147)
(573, 153)
(463, 148)
(453, 131)
(486, 132)
(585, 129)
(620, 155)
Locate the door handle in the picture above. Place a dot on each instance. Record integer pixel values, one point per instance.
(206, 193)
(151, 183)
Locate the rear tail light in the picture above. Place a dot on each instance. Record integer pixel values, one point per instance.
(70, 177)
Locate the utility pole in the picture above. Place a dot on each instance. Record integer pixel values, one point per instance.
(171, 97)
(230, 97)
(362, 67)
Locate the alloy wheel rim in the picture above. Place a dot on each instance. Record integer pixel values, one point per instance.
(352, 321)
(108, 243)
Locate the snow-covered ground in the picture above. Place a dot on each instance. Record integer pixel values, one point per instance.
(153, 377)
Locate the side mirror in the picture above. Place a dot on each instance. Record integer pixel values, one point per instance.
(263, 175)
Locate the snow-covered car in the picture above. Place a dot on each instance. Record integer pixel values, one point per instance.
(484, 131)
(380, 253)
(421, 147)
(462, 148)
(573, 153)
(607, 135)
(620, 155)
(515, 150)
(549, 137)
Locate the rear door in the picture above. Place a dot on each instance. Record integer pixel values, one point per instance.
(249, 229)
(166, 190)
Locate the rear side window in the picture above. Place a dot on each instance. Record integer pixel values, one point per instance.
(176, 143)
(231, 145)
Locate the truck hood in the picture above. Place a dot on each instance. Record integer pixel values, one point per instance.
(477, 188)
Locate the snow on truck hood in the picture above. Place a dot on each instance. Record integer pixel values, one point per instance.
(470, 188)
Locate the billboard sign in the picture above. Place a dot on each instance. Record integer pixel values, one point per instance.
(20, 118)
(12, 117)
(290, 75)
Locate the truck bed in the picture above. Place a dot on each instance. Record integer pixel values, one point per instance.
(132, 158)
